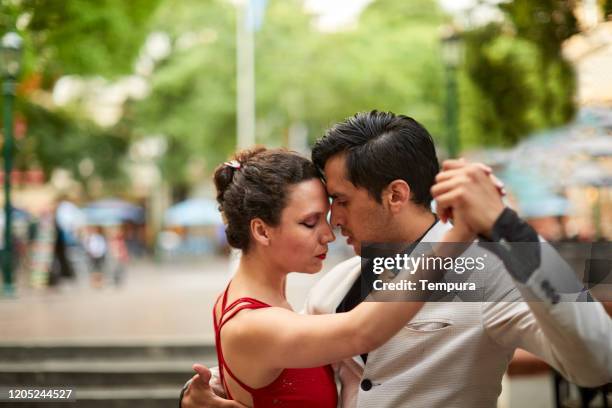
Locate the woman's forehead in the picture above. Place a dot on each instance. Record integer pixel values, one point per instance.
(307, 196)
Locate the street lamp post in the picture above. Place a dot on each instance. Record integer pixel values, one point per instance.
(452, 51)
(11, 66)
(245, 74)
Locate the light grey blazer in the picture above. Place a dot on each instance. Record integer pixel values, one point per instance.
(454, 354)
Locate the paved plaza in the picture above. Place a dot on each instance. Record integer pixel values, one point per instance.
(167, 302)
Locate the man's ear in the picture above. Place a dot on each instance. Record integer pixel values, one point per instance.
(396, 195)
(260, 231)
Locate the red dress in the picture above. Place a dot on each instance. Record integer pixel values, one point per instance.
(294, 387)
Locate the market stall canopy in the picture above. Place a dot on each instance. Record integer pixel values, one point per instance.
(17, 214)
(112, 212)
(535, 195)
(576, 154)
(194, 212)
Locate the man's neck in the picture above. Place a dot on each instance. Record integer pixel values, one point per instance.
(414, 226)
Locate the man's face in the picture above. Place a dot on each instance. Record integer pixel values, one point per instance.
(360, 217)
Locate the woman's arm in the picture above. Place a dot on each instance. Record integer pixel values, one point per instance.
(281, 338)
(284, 339)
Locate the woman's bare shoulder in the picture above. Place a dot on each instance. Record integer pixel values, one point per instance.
(251, 330)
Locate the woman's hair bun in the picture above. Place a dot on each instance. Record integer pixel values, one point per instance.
(223, 178)
(224, 173)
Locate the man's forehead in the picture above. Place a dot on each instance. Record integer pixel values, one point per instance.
(335, 168)
(330, 191)
(337, 185)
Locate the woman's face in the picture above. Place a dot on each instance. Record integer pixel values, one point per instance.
(299, 242)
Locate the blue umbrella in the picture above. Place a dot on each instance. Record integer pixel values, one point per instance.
(566, 155)
(194, 212)
(20, 214)
(112, 212)
(535, 195)
(17, 214)
(546, 206)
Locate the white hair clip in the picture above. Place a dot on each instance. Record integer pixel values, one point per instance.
(235, 164)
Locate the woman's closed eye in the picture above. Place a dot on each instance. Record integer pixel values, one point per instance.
(310, 222)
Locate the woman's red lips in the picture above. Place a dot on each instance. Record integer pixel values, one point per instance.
(322, 256)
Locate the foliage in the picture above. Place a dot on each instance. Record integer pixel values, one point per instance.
(57, 140)
(389, 61)
(78, 36)
(546, 23)
(516, 80)
(606, 7)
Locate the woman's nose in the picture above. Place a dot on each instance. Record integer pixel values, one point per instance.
(328, 234)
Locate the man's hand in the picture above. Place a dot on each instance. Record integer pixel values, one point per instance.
(199, 394)
(470, 191)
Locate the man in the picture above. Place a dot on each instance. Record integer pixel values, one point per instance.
(381, 171)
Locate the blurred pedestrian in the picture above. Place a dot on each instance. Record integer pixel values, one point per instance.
(118, 255)
(97, 248)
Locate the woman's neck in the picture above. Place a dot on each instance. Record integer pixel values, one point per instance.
(261, 278)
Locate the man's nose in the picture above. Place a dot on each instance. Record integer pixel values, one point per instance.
(335, 218)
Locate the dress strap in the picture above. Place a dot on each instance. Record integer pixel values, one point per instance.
(216, 325)
(227, 313)
(246, 300)
(224, 302)
(241, 304)
(220, 354)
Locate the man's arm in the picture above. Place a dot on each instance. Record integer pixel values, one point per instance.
(203, 390)
(574, 337)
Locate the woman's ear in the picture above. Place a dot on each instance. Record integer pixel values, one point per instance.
(396, 195)
(260, 231)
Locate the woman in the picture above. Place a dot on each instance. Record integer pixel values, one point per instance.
(275, 208)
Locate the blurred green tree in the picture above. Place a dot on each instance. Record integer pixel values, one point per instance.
(390, 61)
(304, 77)
(76, 37)
(516, 79)
(59, 141)
(606, 7)
(192, 99)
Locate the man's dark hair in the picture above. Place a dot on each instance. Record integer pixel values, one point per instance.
(381, 147)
